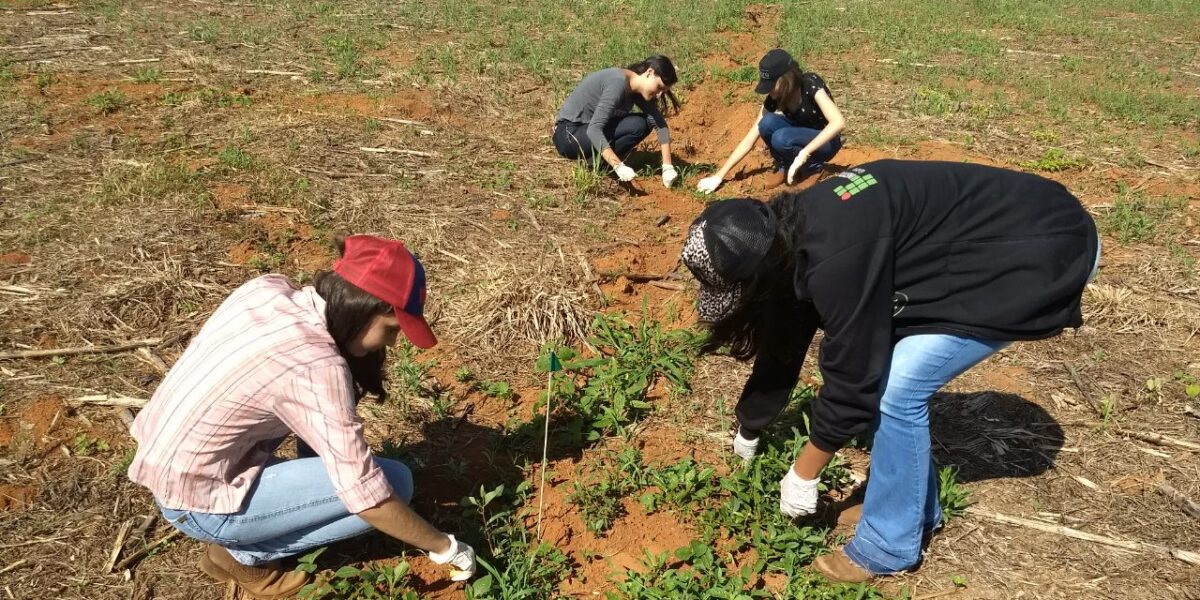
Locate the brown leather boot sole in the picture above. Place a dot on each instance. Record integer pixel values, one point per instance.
(838, 568)
(775, 179)
(213, 570)
(260, 583)
(848, 518)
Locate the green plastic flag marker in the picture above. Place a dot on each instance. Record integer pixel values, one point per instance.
(552, 365)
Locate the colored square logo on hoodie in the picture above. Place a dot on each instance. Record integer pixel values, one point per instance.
(857, 184)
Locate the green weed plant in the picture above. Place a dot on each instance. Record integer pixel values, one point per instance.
(605, 394)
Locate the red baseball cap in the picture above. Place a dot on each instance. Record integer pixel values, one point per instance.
(387, 270)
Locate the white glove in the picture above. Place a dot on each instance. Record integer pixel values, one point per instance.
(797, 497)
(745, 448)
(669, 175)
(709, 184)
(624, 173)
(459, 556)
(796, 164)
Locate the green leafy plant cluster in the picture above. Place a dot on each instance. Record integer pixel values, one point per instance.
(495, 389)
(748, 507)
(587, 180)
(108, 101)
(86, 445)
(700, 571)
(1054, 160)
(737, 512)
(608, 393)
(377, 583)
(235, 158)
(703, 574)
(515, 565)
(679, 486)
(813, 586)
(953, 497)
(407, 380)
(598, 494)
(1136, 218)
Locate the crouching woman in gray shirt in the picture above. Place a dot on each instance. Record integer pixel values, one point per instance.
(596, 120)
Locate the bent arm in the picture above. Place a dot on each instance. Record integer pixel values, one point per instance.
(836, 122)
(656, 119)
(743, 148)
(605, 107)
(399, 520)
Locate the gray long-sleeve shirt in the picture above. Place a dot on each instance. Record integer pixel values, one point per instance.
(604, 96)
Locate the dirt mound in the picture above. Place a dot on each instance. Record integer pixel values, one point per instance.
(16, 497)
(280, 239)
(15, 258)
(31, 422)
(229, 196)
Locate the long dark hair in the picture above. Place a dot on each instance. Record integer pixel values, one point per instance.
(788, 92)
(348, 310)
(769, 315)
(664, 68)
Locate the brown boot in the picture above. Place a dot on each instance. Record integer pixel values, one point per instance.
(263, 582)
(849, 517)
(838, 568)
(775, 179)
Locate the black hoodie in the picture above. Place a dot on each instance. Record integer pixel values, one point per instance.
(896, 248)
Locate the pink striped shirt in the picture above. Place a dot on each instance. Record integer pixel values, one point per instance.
(262, 366)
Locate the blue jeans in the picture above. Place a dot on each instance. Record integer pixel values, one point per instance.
(786, 140)
(902, 493)
(623, 135)
(291, 508)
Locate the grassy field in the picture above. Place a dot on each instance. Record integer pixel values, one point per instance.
(154, 156)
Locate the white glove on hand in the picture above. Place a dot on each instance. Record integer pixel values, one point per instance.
(709, 184)
(797, 497)
(669, 175)
(460, 557)
(796, 164)
(625, 173)
(745, 448)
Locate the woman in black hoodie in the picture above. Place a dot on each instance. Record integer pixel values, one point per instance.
(915, 271)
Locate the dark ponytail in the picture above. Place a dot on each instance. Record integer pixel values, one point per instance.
(664, 68)
(770, 316)
(348, 310)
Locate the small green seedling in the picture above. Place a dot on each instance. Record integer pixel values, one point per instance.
(953, 497)
(107, 102)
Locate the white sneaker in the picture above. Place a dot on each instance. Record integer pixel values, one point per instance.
(745, 448)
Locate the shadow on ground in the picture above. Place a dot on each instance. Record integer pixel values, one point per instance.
(990, 435)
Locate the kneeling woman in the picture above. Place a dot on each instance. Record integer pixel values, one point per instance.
(799, 123)
(278, 358)
(596, 120)
(916, 271)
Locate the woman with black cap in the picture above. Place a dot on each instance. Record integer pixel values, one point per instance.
(596, 121)
(915, 271)
(799, 122)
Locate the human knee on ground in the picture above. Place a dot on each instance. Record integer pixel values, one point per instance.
(628, 133)
(769, 125)
(399, 476)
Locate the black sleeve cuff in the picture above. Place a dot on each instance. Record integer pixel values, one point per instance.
(826, 443)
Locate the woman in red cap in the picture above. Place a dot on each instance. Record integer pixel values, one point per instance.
(276, 358)
(799, 122)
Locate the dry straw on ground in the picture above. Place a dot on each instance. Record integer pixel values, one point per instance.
(519, 305)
